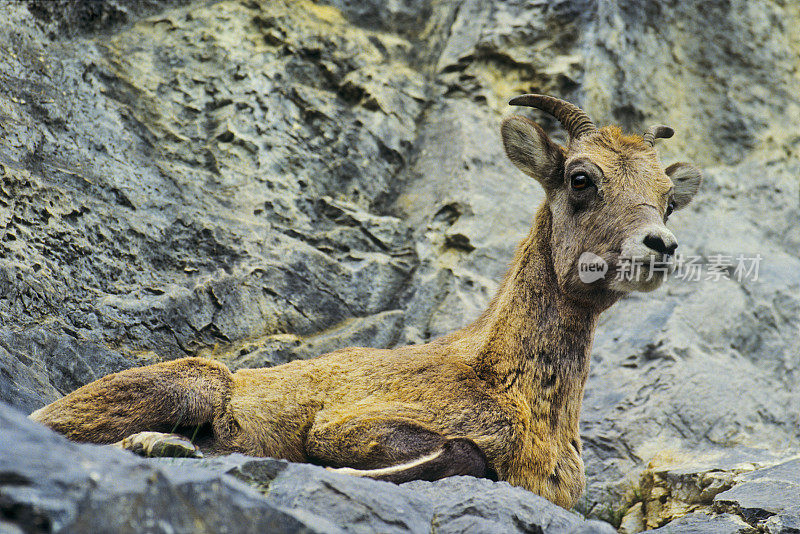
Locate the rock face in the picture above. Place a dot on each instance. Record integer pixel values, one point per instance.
(48, 484)
(265, 181)
(730, 490)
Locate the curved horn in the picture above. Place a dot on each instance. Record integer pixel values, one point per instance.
(659, 131)
(571, 117)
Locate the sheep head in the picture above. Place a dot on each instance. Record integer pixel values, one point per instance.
(608, 194)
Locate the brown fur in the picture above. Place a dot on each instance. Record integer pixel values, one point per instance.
(511, 383)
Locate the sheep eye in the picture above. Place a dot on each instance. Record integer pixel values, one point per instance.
(580, 181)
(670, 209)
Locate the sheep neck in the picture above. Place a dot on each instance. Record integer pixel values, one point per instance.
(535, 339)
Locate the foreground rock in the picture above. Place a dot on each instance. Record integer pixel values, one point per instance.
(746, 490)
(48, 484)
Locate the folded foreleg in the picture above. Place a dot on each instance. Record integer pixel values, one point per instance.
(379, 446)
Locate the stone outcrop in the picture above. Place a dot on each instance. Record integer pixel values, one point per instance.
(48, 484)
(732, 490)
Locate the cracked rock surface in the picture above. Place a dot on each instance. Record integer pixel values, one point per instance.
(260, 181)
(729, 490)
(48, 484)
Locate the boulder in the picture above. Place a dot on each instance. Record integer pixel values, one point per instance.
(48, 484)
(742, 490)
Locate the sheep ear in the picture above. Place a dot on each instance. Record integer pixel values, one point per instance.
(687, 179)
(532, 151)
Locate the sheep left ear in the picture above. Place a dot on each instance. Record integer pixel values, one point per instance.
(686, 178)
(531, 150)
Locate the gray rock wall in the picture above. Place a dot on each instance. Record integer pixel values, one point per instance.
(264, 181)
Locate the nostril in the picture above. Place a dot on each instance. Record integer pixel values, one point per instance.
(656, 243)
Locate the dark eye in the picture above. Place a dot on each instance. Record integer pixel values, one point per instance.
(579, 181)
(670, 209)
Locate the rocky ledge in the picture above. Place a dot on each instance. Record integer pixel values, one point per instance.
(743, 490)
(49, 484)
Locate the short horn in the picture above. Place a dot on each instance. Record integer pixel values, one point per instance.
(658, 131)
(572, 118)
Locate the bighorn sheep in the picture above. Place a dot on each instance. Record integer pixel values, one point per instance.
(499, 398)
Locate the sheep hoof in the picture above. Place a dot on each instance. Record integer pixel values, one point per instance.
(158, 444)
